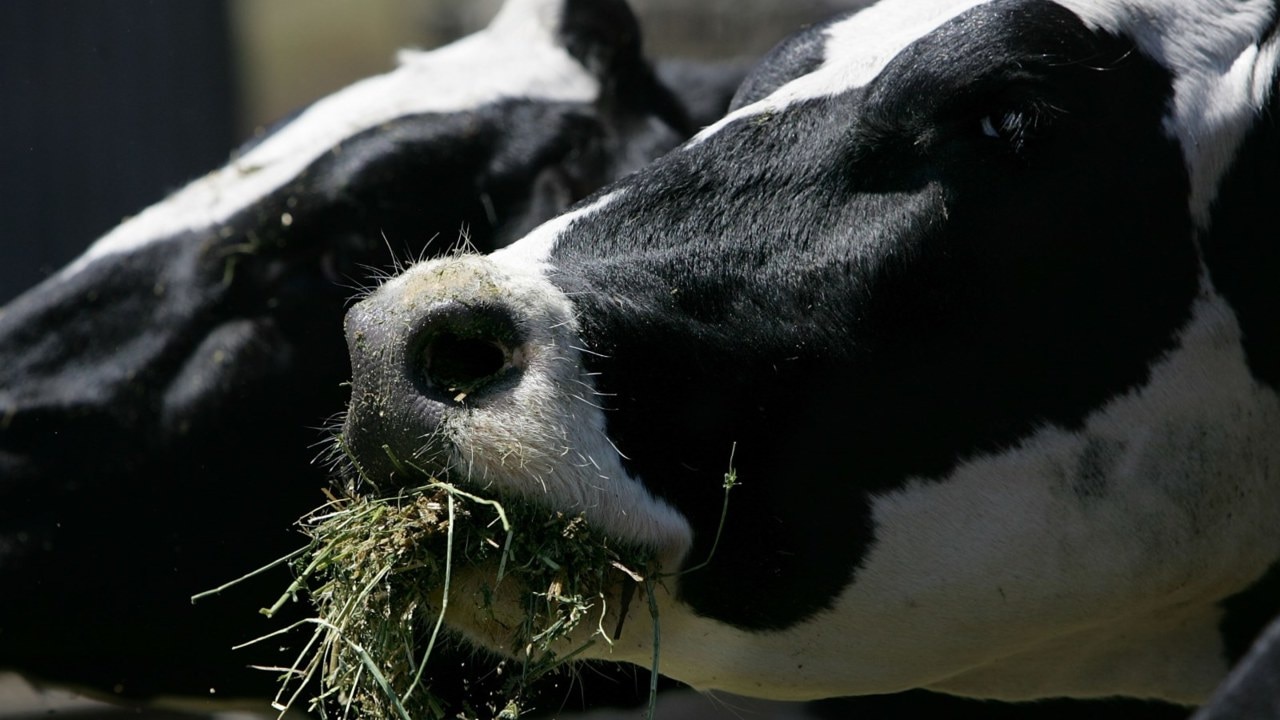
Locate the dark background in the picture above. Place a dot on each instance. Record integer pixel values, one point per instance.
(101, 113)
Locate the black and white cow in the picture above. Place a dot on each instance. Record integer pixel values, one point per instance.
(979, 300)
(159, 397)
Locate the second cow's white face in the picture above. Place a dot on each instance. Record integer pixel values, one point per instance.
(951, 286)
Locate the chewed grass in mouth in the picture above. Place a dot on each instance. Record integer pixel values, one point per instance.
(380, 572)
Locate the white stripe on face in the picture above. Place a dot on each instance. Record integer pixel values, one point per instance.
(855, 51)
(517, 56)
(534, 249)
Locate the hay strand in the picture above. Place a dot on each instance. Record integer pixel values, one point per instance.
(380, 571)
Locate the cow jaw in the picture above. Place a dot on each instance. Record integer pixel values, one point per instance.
(1045, 569)
(1010, 579)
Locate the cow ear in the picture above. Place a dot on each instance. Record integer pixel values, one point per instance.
(603, 35)
(600, 34)
(1239, 246)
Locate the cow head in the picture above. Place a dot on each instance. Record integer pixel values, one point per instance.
(976, 298)
(159, 397)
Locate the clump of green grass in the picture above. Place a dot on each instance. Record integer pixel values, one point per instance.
(379, 568)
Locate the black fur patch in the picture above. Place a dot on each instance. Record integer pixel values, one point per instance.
(1246, 613)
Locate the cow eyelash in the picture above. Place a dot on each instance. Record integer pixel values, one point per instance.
(1016, 126)
(1011, 126)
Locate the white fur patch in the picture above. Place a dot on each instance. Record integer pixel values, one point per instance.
(1008, 579)
(855, 51)
(517, 56)
(534, 249)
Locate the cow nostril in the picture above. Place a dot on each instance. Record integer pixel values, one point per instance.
(458, 350)
(455, 363)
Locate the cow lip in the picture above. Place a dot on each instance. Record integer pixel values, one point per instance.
(437, 552)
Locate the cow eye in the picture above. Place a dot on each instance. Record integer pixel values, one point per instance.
(1016, 126)
(1010, 126)
(989, 128)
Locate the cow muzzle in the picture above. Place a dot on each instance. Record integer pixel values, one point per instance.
(469, 369)
(441, 354)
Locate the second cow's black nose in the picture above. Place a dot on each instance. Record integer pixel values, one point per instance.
(414, 367)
